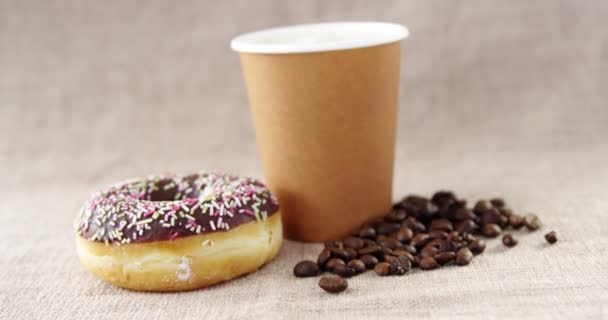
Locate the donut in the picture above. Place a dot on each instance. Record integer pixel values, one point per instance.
(176, 233)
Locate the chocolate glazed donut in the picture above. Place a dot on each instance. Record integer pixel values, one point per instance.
(172, 233)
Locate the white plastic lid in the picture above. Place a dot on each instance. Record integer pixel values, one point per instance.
(319, 37)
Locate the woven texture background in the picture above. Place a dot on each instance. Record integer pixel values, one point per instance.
(502, 98)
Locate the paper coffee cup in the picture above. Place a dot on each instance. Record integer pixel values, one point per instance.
(324, 104)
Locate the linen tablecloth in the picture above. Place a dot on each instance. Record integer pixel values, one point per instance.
(498, 98)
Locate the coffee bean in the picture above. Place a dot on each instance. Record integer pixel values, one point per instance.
(490, 216)
(414, 225)
(344, 271)
(516, 221)
(506, 211)
(428, 251)
(441, 197)
(438, 234)
(441, 224)
(445, 257)
(386, 228)
(323, 257)
(332, 263)
(389, 243)
(551, 237)
(461, 214)
(532, 222)
(497, 202)
(306, 268)
(404, 235)
(367, 232)
(369, 242)
(428, 263)
(383, 269)
(334, 244)
(454, 235)
(357, 265)
(397, 215)
(482, 206)
(491, 230)
(508, 240)
(463, 256)
(339, 253)
(350, 254)
(402, 253)
(373, 250)
(354, 243)
(420, 240)
(369, 261)
(503, 221)
(409, 248)
(333, 284)
(466, 226)
(399, 265)
(477, 246)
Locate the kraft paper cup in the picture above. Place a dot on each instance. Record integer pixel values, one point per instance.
(324, 104)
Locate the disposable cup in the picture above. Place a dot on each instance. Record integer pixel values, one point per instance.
(324, 103)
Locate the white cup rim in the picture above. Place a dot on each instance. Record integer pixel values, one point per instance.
(319, 37)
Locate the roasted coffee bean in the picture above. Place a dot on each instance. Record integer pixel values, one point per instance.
(353, 242)
(404, 235)
(350, 254)
(369, 261)
(357, 265)
(334, 244)
(516, 221)
(367, 232)
(532, 222)
(468, 237)
(399, 265)
(497, 202)
(551, 237)
(477, 246)
(414, 225)
(508, 240)
(402, 253)
(332, 263)
(438, 234)
(506, 211)
(373, 250)
(323, 257)
(454, 236)
(463, 256)
(445, 257)
(441, 224)
(369, 242)
(386, 228)
(490, 216)
(428, 263)
(306, 268)
(455, 245)
(409, 248)
(461, 214)
(428, 251)
(339, 253)
(503, 221)
(420, 240)
(482, 206)
(427, 212)
(397, 215)
(344, 271)
(389, 243)
(383, 269)
(333, 284)
(442, 197)
(466, 226)
(491, 230)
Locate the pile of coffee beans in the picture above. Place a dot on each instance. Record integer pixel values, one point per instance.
(418, 233)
